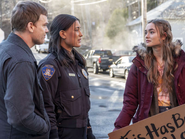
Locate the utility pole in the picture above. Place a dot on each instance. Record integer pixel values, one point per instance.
(129, 13)
(139, 8)
(72, 7)
(144, 17)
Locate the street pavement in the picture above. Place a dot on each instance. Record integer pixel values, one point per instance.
(106, 103)
(106, 100)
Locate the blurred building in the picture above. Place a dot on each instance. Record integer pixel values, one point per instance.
(134, 7)
(172, 11)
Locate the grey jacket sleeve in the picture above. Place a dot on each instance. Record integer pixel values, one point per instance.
(19, 100)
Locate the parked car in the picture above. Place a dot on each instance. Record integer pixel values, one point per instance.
(42, 47)
(99, 60)
(123, 53)
(121, 67)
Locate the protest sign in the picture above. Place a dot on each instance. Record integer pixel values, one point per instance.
(166, 125)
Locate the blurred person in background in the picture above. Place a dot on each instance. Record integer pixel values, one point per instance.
(65, 83)
(22, 112)
(156, 79)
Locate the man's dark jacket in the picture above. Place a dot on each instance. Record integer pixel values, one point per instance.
(22, 113)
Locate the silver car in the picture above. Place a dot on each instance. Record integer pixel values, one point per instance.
(121, 67)
(43, 47)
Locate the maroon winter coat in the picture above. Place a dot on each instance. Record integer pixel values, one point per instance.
(139, 92)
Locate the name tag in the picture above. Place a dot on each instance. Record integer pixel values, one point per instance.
(71, 74)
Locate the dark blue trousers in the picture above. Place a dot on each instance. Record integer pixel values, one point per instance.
(72, 133)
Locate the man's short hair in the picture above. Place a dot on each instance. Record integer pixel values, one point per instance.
(25, 12)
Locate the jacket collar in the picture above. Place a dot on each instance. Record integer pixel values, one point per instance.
(78, 59)
(139, 63)
(15, 39)
(180, 60)
(181, 57)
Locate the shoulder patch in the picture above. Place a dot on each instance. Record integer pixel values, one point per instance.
(48, 71)
(84, 73)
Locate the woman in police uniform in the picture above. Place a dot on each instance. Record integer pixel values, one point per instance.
(64, 79)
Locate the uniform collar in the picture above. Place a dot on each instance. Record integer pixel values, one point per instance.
(76, 56)
(15, 39)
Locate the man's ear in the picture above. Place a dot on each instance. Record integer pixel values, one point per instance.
(30, 27)
(62, 34)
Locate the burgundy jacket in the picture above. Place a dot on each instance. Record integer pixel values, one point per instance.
(139, 92)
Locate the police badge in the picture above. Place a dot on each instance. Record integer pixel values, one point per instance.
(84, 73)
(48, 71)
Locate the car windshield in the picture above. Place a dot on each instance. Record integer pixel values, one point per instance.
(131, 58)
(127, 59)
(123, 53)
(103, 53)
